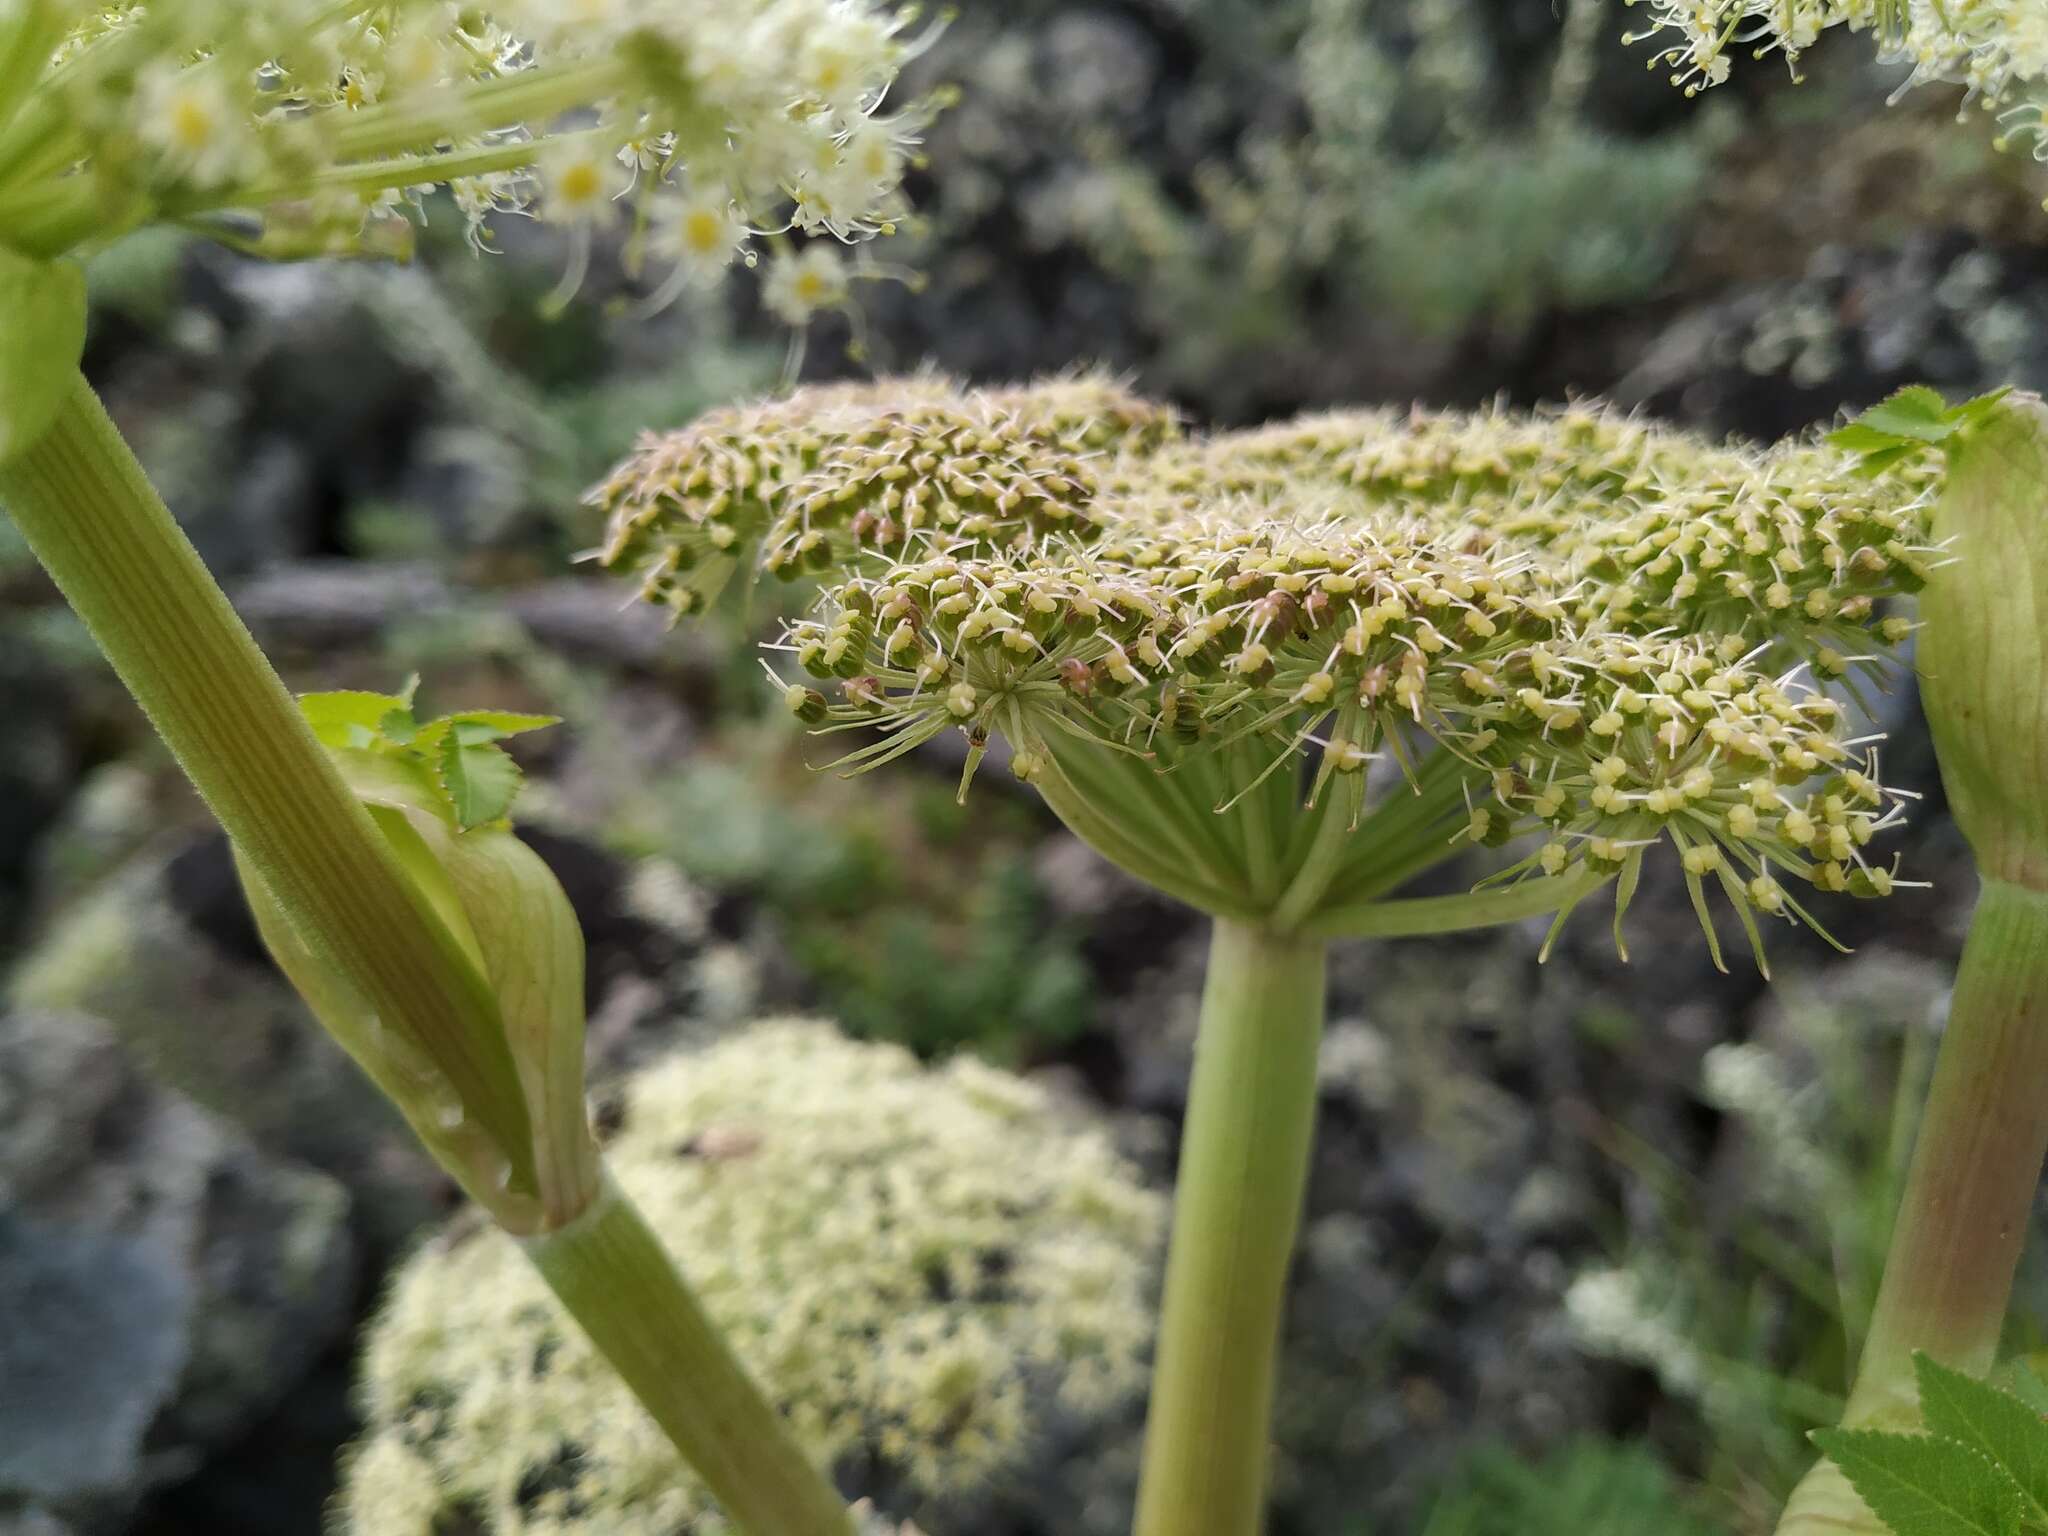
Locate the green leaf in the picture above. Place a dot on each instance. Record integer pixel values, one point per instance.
(1978, 1415)
(1860, 437)
(499, 723)
(399, 727)
(1915, 412)
(42, 336)
(1923, 1486)
(1970, 412)
(481, 780)
(337, 718)
(473, 726)
(1907, 423)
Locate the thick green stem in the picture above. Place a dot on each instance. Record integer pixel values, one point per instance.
(1963, 1219)
(90, 515)
(93, 520)
(619, 1283)
(1243, 1174)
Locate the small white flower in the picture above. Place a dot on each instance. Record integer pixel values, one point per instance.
(798, 286)
(844, 57)
(700, 232)
(857, 179)
(193, 119)
(579, 182)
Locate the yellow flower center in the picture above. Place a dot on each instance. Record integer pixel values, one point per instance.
(702, 231)
(192, 124)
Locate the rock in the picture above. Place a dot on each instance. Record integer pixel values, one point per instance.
(164, 951)
(328, 605)
(163, 1284)
(97, 1327)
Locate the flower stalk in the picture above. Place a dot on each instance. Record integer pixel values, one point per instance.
(1571, 629)
(1238, 1201)
(1977, 1161)
(354, 912)
(611, 1272)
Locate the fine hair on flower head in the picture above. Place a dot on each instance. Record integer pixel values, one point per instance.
(1575, 626)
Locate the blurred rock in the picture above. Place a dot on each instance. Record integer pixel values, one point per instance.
(162, 1283)
(165, 952)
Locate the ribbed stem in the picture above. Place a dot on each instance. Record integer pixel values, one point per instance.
(618, 1282)
(1243, 1176)
(1963, 1218)
(90, 515)
(1413, 916)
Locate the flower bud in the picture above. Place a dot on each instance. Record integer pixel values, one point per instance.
(512, 923)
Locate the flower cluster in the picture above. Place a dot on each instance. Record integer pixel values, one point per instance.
(1601, 624)
(929, 1267)
(802, 484)
(294, 127)
(1997, 50)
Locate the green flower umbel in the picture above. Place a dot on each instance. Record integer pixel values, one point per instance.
(1573, 627)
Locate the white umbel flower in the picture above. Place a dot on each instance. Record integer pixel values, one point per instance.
(798, 286)
(298, 128)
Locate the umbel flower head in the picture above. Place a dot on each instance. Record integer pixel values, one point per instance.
(930, 1268)
(1996, 50)
(1570, 627)
(301, 127)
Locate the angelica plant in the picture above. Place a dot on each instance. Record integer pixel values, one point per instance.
(422, 933)
(1977, 1162)
(1995, 50)
(1279, 673)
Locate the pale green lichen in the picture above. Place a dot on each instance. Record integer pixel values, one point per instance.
(923, 1266)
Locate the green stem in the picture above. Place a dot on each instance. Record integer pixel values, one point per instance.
(1243, 1175)
(90, 515)
(1334, 819)
(615, 1278)
(1453, 914)
(1971, 1184)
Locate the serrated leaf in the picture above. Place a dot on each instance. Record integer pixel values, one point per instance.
(1916, 412)
(1884, 458)
(500, 722)
(335, 717)
(399, 727)
(474, 726)
(1976, 1414)
(1970, 412)
(1860, 437)
(1920, 1485)
(481, 780)
(2029, 1388)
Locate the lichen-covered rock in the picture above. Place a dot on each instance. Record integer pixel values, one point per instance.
(162, 1282)
(942, 1281)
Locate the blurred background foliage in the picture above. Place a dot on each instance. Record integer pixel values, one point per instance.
(1589, 1246)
